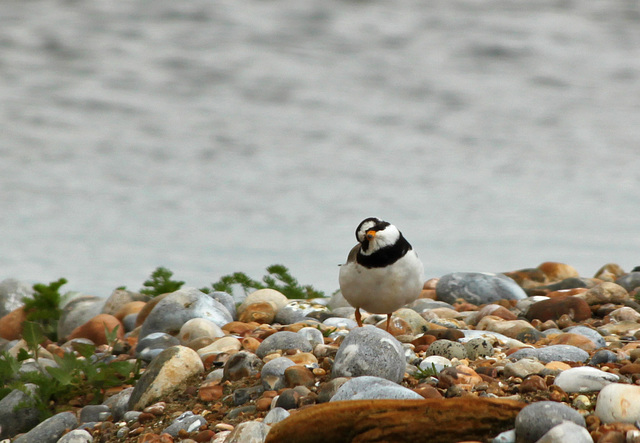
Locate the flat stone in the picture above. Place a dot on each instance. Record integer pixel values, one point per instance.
(187, 421)
(584, 379)
(538, 418)
(452, 419)
(478, 288)
(166, 373)
(523, 368)
(282, 341)
(552, 353)
(597, 339)
(552, 309)
(618, 403)
(370, 351)
(50, 430)
(367, 387)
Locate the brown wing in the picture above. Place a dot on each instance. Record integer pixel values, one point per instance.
(353, 253)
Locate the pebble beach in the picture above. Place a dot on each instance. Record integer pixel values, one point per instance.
(540, 354)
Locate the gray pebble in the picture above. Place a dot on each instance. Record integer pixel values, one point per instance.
(151, 345)
(367, 387)
(18, 412)
(629, 281)
(339, 322)
(603, 356)
(94, 413)
(12, 292)
(370, 351)
(187, 421)
(275, 415)
(314, 335)
(536, 419)
(227, 301)
(272, 375)
(177, 308)
(241, 364)
(478, 288)
(249, 432)
(552, 353)
(567, 431)
(76, 436)
(283, 340)
(119, 404)
(50, 430)
(505, 437)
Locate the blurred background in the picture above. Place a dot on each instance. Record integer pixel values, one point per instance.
(220, 136)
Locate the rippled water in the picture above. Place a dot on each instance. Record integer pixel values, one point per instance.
(214, 137)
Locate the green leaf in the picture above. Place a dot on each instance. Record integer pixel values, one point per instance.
(62, 376)
(23, 355)
(160, 283)
(33, 334)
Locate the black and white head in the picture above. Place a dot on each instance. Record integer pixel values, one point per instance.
(381, 243)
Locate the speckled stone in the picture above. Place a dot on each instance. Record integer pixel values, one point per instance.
(478, 347)
(478, 288)
(370, 351)
(447, 348)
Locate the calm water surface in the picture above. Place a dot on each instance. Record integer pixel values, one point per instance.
(213, 137)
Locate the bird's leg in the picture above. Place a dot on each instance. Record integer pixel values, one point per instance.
(388, 321)
(358, 317)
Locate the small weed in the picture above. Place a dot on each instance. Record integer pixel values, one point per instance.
(278, 278)
(426, 373)
(44, 307)
(160, 283)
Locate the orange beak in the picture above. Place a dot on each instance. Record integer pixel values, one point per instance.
(371, 234)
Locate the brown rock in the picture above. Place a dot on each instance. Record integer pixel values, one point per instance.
(463, 376)
(454, 419)
(427, 391)
(210, 391)
(606, 292)
(554, 308)
(299, 376)
(144, 312)
(557, 271)
(533, 383)
(609, 270)
(445, 333)
(528, 278)
(133, 307)
(239, 328)
(95, 328)
(577, 340)
(11, 324)
(631, 368)
(260, 312)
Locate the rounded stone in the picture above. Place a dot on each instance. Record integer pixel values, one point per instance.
(223, 344)
(370, 351)
(552, 309)
(51, 429)
(76, 436)
(607, 292)
(629, 281)
(226, 300)
(282, 341)
(121, 297)
(567, 431)
(272, 375)
(618, 403)
(175, 309)
(368, 387)
(187, 421)
(591, 334)
(197, 328)
(314, 335)
(153, 344)
(603, 356)
(96, 329)
(264, 295)
(240, 365)
(261, 312)
(478, 288)
(478, 347)
(77, 312)
(584, 379)
(447, 348)
(275, 415)
(536, 419)
(436, 362)
(523, 368)
(12, 292)
(18, 411)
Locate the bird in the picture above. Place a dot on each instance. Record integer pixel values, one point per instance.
(382, 272)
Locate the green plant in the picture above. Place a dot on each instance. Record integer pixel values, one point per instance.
(160, 283)
(278, 278)
(426, 373)
(79, 375)
(43, 306)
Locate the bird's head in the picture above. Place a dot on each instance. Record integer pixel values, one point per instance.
(374, 234)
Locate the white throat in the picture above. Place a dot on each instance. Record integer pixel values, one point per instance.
(386, 237)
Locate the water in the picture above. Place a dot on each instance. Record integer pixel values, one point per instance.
(213, 137)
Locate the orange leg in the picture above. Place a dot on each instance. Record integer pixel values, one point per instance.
(388, 321)
(358, 317)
